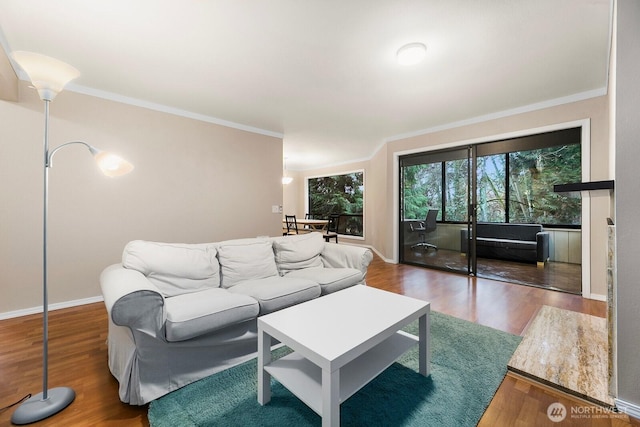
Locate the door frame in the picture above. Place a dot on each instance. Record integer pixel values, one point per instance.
(585, 126)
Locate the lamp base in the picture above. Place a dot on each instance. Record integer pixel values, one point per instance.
(35, 409)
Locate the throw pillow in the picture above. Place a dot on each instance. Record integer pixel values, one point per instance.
(174, 268)
(248, 260)
(298, 252)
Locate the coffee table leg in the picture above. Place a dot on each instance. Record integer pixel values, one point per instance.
(264, 358)
(424, 346)
(330, 398)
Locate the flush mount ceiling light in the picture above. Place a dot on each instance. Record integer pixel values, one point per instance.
(411, 54)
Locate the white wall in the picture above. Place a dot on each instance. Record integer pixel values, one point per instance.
(193, 182)
(627, 201)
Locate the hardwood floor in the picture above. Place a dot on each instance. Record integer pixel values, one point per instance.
(554, 275)
(78, 352)
(77, 359)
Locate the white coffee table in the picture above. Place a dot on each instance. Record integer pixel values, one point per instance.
(341, 341)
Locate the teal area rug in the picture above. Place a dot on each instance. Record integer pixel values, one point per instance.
(468, 363)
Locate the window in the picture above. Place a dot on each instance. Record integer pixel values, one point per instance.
(339, 194)
(456, 185)
(422, 188)
(532, 174)
(491, 178)
(514, 181)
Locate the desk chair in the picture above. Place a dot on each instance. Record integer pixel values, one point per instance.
(428, 226)
(332, 228)
(292, 225)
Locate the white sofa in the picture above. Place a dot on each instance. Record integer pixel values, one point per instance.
(180, 312)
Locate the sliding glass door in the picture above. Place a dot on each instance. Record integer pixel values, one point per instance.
(436, 194)
(481, 200)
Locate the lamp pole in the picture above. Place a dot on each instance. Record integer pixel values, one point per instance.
(45, 269)
(40, 69)
(49, 402)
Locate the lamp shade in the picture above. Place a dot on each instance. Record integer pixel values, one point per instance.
(111, 164)
(48, 75)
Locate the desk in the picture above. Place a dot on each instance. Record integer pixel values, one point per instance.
(314, 224)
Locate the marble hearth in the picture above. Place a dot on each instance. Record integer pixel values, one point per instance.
(567, 350)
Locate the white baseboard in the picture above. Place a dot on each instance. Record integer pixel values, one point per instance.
(628, 408)
(56, 306)
(387, 260)
(598, 297)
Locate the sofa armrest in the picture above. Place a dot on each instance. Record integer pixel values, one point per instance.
(132, 300)
(542, 245)
(341, 256)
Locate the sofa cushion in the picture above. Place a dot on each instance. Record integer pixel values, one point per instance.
(197, 313)
(274, 293)
(330, 279)
(174, 268)
(246, 260)
(298, 251)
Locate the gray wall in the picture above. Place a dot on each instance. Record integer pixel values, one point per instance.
(627, 125)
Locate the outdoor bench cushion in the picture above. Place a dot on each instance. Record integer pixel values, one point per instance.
(197, 313)
(509, 244)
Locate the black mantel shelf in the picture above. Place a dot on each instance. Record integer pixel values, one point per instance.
(583, 186)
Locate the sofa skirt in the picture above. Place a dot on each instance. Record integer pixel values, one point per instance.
(154, 367)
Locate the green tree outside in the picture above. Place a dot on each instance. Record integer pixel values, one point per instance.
(530, 198)
(339, 194)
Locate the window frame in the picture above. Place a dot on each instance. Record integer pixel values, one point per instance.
(364, 197)
(555, 138)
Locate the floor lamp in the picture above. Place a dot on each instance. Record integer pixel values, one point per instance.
(49, 76)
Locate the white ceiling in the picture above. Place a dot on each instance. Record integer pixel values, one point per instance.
(322, 73)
